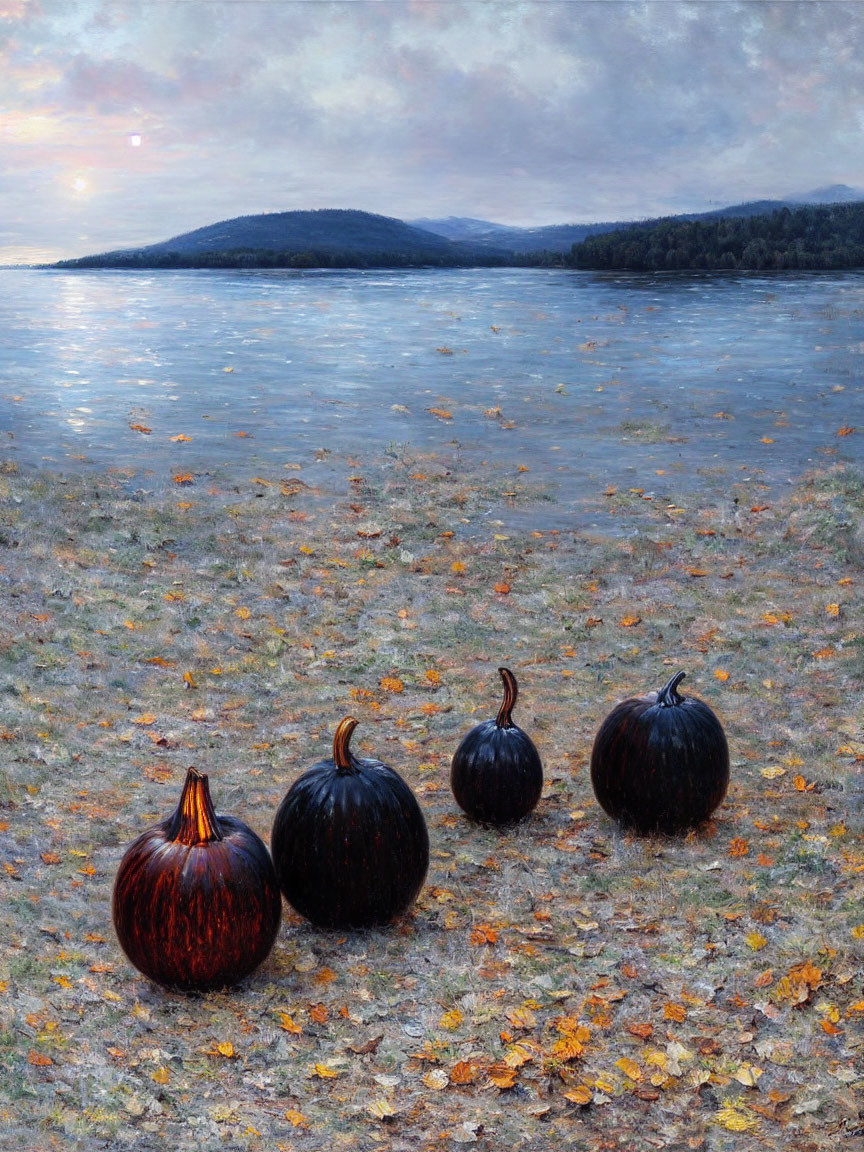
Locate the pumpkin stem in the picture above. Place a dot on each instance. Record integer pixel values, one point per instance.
(668, 694)
(511, 691)
(342, 756)
(195, 821)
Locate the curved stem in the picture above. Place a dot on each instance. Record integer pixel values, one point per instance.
(511, 691)
(195, 821)
(668, 694)
(341, 745)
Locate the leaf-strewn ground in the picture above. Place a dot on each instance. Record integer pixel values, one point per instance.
(556, 985)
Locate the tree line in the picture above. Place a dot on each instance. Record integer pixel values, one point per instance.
(810, 237)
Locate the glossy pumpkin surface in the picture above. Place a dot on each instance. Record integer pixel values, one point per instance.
(496, 774)
(349, 840)
(660, 763)
(196, 903)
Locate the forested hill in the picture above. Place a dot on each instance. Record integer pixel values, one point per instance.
(320, 239)
(808, 237)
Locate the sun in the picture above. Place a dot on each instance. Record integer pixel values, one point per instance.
(79, 184)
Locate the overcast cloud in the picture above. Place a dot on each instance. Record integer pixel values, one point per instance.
(124, 123)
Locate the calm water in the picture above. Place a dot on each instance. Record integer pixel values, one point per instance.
(584, 379)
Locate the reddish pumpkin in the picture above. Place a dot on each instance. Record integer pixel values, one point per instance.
(196, 902)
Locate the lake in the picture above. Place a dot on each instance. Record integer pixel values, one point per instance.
(581, 379)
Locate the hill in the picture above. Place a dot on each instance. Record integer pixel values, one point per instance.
(323, 238)
(814, 236)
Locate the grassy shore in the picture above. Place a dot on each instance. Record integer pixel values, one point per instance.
(559, 984)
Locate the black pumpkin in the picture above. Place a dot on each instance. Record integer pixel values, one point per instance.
(349, 840)
(496, 774)
(660, 763)
(196, 904)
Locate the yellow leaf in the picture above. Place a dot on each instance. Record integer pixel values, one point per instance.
(832, 609)
(747, 1075)
(451, 1019)
(296, 1119)
(721, 674)
(858, 931)
(381, 1109)
(755, 940)
(433, 676)
(242, 613)
(774, 772)
(733, 1120)
(144, 721)
(288, 1025)
(629, 1067)
(161, 1075)
(436, 1079)
(190, 679)
(580, 1095)
(324, 1072)
(458, 567)
(676, 1012)
(522, 1018)
(226, 1049)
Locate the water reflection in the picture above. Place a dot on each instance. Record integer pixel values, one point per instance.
(583, 378)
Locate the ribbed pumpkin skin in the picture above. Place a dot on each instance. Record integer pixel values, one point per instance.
(660, 767)
(196, 917)
(496, 775)
(350, 848)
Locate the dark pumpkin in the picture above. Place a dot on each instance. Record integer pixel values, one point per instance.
(660, 763)
(349, 840)
(196, 903)
(496, 774)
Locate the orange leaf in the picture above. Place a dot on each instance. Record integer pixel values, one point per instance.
(319, 1013)
(502, 588)
(830, 1028)
(629, 1067)
(441, 413)
(144, 721)
(582, 1094)
(391, 684)
(180, 439)
(764, 979)
(845, 430)
(38, 1059)
(629, 621)
(184, 478)
(676, 1012)
(464, 1072)
(721, 674)
(739, 847)
(643, 1031)
(288, 1024)
(141, 428)
(483, 934)
(502, 1075)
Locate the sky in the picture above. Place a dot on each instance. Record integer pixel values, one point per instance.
(126, 122)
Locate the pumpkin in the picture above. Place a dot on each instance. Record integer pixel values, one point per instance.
(660, 763)
(196, 904)
(496, 774)
(349, 840)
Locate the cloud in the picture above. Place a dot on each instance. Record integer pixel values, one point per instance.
(524, 112)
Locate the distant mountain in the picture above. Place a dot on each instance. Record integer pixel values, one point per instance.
(831, 194)
(560, 238)
(522, 241)
(323, 238)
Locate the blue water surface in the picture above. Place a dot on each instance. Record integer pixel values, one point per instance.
(582, 379)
